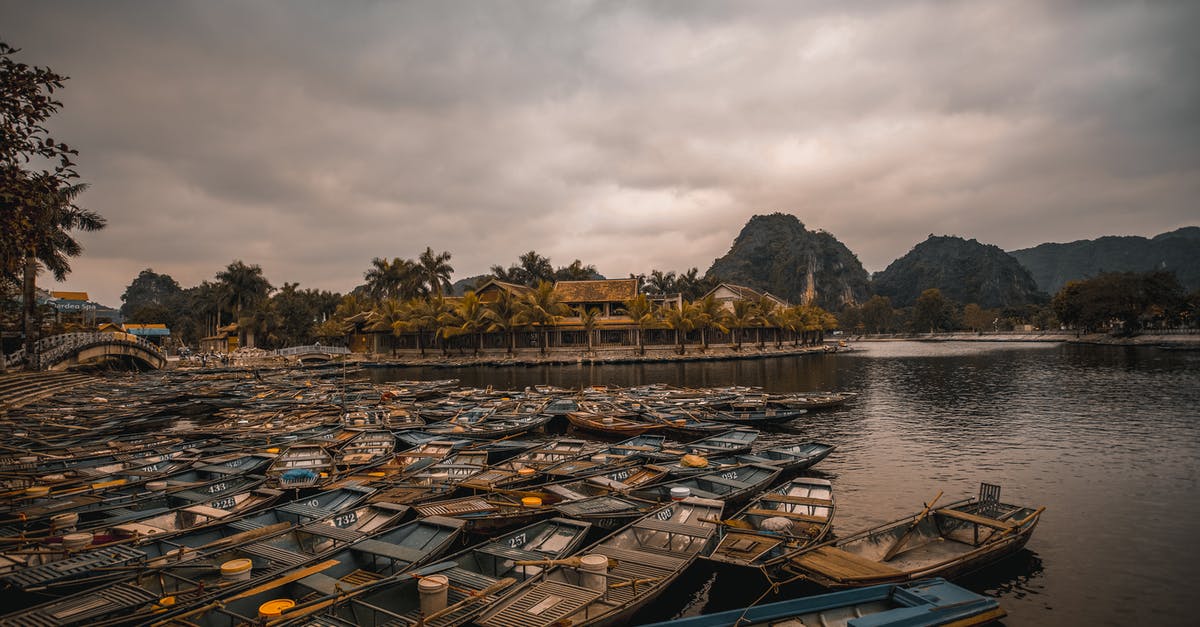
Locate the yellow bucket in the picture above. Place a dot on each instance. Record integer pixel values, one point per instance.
(531, 501)
(275, 608)
(526, 471)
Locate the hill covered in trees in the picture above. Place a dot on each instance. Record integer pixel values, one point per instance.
(777, 254)
(963, 270)
(1052, 265)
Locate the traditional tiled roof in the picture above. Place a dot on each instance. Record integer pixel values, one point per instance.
(600, 291)
(747, 293)
(497, 284)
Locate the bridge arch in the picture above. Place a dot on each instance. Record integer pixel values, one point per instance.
(61, 351)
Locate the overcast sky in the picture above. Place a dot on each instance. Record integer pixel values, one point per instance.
(309, 137)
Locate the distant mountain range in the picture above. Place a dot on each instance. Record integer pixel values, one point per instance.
(1052, 265)
(776, 253)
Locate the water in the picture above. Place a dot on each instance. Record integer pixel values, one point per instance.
(1107, 438)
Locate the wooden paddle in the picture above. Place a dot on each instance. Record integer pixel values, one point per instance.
(895, 548)
(573, 562)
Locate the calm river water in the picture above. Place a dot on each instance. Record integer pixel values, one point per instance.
(1107, 438)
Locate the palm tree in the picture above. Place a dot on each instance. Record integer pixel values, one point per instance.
(543, 308)
(683, 319)
(262, 321)
(50, 244)
(642, 312)
(766, 315)
(710, 314)
(394, 279)
(504, 315)
(422, 314)
(435, 271)
(744, 314)
(589, 317)
(243, 286)
(471, 317)
(390, 316)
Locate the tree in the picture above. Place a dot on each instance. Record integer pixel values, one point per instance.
(681, 321)
(504, 315)
(576, 272)
(660, 283)
(932, 312)
(977, 318)
(243, 286)
(397, 279)
(710, 314)
(435, 271)
(421, 315)
(589, 317)
(391, 316)
(1127, 301)
(744, 314)
(641, 311)
(471, 317)
(765, 306)
(877, 314)
(531, 269)
(149, 288)
(50, 243)
(542, 308)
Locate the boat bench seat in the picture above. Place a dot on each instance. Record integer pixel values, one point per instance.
(633, 556)
(976, 519)
(696, 531)
(208, 512)
(732, 483)
(332, 532)
(797, 500)
(769, 513)
(841, 565)
(390, 551)
(324, 584)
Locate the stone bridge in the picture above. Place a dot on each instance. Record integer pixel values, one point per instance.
(60, 351)
(312, 352)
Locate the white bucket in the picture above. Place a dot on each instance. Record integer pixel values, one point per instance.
(64, 522)
(600, 458)
(156, 486)
(678, 494)
(237, 569)
(592, 569)
(434, 592)
(76, 541)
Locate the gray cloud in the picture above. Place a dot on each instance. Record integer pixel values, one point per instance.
(311, 137)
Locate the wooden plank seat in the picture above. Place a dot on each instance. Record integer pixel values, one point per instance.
(207, 512)
(324, 584)
(664, 563)
(841, 565)
(976, 519)
(276, 554)
(360, 577)
(733, 483)
(747, 546)
(667, 526)
(390, 551)
(332, 532)
(768, 513)
(471, 506)
(545, 604)
(797, 500)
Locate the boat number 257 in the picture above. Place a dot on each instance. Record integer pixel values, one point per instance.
(516, 541)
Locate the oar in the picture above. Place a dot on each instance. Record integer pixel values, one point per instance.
(895, 548)
(572, 562)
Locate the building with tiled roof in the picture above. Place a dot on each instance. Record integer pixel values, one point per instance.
(490, 292)
(727, 293)
(607, 295)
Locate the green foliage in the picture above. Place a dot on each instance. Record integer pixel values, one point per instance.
(1122, 301)
(150, 289)
(1053, 265)
(877, 315)
(932, 312)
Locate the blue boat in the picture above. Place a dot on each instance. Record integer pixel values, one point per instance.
(920, 604)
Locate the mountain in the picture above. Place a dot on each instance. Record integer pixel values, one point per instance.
(1052, 265)
(964, 270)
(777, 254)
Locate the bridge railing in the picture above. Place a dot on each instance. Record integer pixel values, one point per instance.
(312, 348)
(51, 350)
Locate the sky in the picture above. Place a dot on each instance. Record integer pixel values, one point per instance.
(311, 137)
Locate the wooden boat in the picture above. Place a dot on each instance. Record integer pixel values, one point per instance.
(777, 523)
(927, 603)
(492, 426)
(733, 486)
(526, 468)
(769, 416)
(789, 458)
(732, 442)
(611, 425)
(301, 466)
(945, 542)
(366, 448)
(814, 401)
(359, 564)
(478, 577)
(601, 500)
(639, 448)
(491, 513)
(686, 424)
(642, 561)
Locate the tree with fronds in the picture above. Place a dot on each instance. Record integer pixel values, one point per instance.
(504, 316)
(766, 307)
(680, 320)
(435, 270)
(710, 314)
(397, 279)
(469, 316)
(543, 308)
(589, 318)
(641, 311)
(743, 315)
(389, 316)
(242, 286)
(422, 315)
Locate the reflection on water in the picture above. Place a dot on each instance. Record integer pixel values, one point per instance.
(1108, 438)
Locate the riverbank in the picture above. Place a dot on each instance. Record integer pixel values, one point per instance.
(1176, 341)
(531, 358)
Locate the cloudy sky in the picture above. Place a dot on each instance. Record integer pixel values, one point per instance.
(309, 137)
